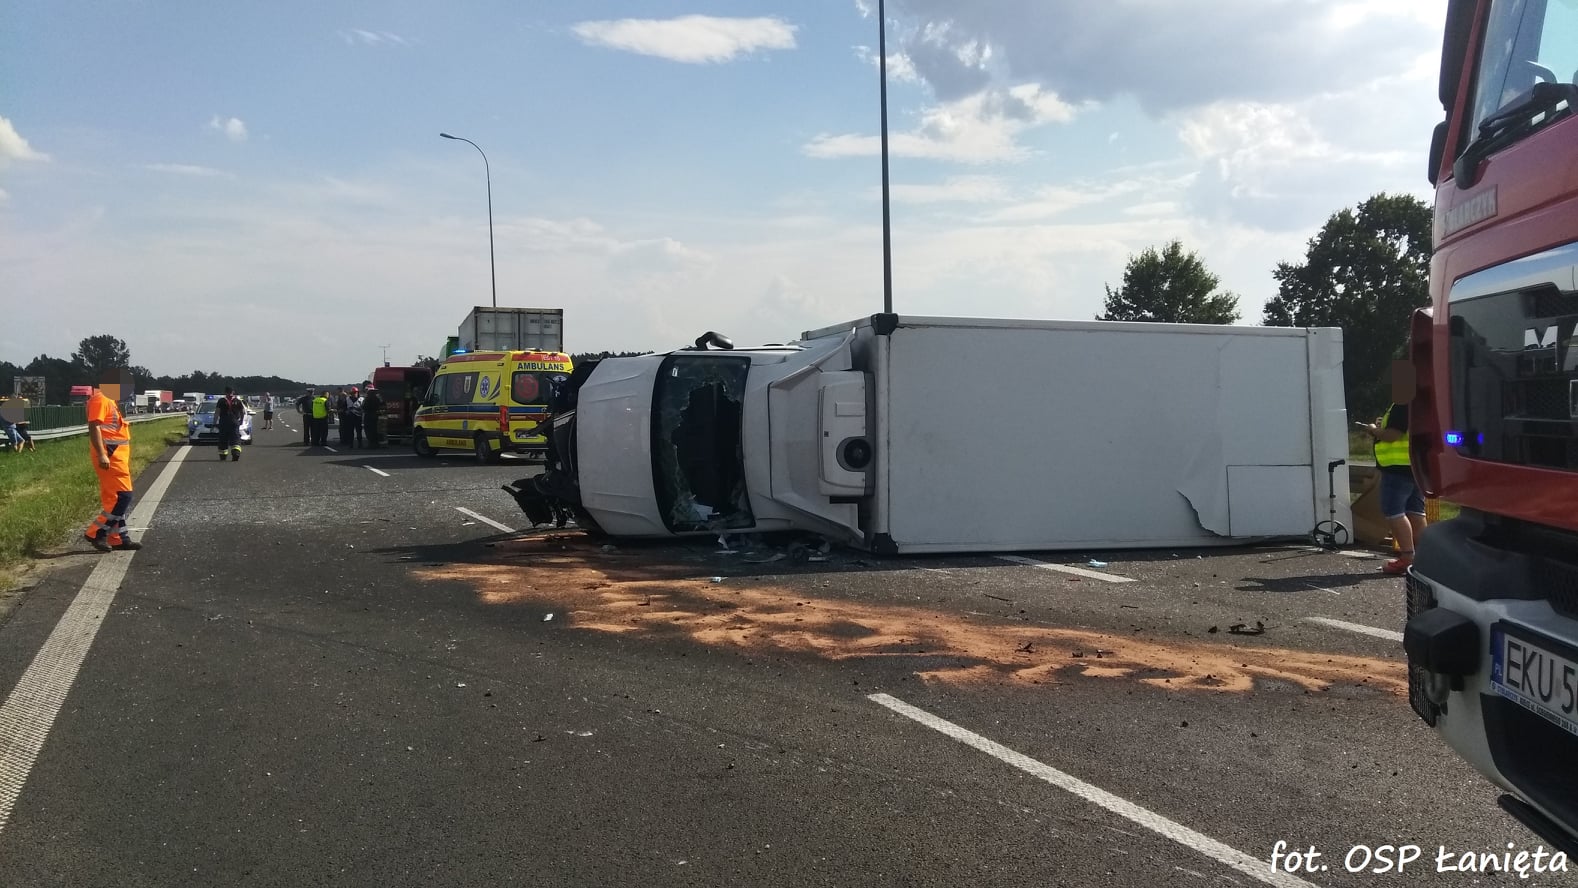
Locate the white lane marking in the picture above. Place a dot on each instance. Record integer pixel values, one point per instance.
(1065, 568)
(30, 711)
(376, 471)
(1238, 860)
(1360, 628)
(485, 520)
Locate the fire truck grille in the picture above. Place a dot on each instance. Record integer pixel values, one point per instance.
(1560, 582)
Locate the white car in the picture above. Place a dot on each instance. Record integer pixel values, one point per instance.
(200, 427)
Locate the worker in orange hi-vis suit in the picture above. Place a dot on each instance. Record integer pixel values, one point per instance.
(110, 438)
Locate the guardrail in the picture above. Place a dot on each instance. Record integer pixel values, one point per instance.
(69, 431)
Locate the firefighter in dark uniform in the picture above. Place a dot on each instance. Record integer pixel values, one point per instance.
(304, 407)
(372, 411)
(229, 412)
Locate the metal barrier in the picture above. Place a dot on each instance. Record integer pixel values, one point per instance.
(82, 429)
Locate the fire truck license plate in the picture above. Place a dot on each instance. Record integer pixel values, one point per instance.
(1536, 677)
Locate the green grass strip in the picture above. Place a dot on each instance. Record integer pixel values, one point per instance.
(47, 493)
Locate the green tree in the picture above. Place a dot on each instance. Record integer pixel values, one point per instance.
(1366, 271)
(427, 361)
(97, 354)
(1169, 286)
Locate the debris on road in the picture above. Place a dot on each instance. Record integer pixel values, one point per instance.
(998, 597)
(547, 617)
(1094, 563)
(717, 579)
(1241, 629)
(1027, 648)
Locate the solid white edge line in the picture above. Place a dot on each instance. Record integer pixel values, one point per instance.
(1065, 568)
(30, 711)
(1177, 832)
(376, 471)
(1388, 634)
(485, 520)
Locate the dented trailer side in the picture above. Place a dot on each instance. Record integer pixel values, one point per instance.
(1002, 435)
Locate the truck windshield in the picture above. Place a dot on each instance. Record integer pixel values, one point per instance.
(1527, 43)
(698, 462)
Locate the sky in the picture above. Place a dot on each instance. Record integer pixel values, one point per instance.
(261, 188)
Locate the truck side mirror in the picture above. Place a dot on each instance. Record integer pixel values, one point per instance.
(1437, 152)
(717, 340)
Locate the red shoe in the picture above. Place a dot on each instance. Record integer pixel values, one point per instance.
(1397, 566)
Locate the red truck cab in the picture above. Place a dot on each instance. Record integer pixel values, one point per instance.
(1492, 632)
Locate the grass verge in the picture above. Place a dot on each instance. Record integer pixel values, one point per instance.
(44, 494)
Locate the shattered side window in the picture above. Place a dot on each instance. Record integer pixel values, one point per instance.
(698, 461)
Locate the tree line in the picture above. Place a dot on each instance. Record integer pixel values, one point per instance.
(96, 355)
(1365, 271)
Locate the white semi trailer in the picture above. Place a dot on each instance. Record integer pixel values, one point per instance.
(928, 435)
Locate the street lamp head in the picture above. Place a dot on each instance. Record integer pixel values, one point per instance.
(446, 135)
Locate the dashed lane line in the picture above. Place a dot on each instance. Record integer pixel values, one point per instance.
(376, 471)
(1388, 634)
(485, 520)
(1257, 869)
(1066, 568)
(30, 711)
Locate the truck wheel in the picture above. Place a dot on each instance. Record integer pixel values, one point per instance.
(420, 445)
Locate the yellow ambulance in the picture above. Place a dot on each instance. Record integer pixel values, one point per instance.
(488, 403)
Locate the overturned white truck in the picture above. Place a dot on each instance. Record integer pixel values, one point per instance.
(907, 434)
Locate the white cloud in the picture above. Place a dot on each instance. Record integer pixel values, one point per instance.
(956, 189)
(980, 128)
(900, 68)
(1167, 55)
(234, 128)
(359, 36)
(14, 147)
(185, 169)
(694, 39)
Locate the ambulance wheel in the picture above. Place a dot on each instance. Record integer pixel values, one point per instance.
(485, 454)
(420, 445)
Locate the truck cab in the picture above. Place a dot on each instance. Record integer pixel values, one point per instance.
(707, 441)
(1492, 596)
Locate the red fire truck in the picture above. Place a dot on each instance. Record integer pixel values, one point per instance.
(1492, 633)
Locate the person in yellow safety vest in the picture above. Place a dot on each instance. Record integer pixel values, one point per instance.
(109, 442)
(1401, 503)
(320, 420)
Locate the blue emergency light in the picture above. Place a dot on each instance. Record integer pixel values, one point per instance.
(1454, 439)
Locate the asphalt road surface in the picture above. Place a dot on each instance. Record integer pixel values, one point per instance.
(347, 668)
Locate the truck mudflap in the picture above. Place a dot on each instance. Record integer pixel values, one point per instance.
(1492, 645)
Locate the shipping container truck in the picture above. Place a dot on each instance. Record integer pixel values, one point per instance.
(934, 435)
(512, 329)
(1492, 595)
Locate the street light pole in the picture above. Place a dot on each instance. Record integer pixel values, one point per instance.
(887, 227)
(488, 173)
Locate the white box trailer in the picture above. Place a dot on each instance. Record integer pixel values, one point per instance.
(513, 329)
(929, 435)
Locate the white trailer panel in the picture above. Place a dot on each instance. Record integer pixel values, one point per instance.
(1015, 435)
